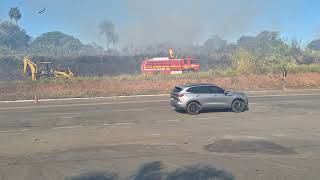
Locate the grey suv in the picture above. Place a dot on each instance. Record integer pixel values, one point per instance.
(195, 97)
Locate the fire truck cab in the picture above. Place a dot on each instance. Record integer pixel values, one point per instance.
(166, 65)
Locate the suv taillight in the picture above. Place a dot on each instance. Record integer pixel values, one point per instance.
(180, 94)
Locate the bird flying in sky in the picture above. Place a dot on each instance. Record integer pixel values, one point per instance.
(42, 11)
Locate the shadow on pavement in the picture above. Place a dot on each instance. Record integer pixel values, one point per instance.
(205, 111)
(209, 111)
(155, 171)
(95, 176)
(216, 110)
(148, 171)
(199, 172)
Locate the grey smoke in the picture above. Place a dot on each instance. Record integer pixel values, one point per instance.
(149, 21)
(190, 21)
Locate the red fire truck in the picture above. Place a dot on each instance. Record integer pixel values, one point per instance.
(164, 65)
(169, 65)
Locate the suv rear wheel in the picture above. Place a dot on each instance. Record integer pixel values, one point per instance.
(238, 106)
(193, 108)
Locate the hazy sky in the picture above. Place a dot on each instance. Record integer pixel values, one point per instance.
(181, 21)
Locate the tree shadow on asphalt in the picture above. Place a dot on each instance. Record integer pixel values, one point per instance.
(155, 171)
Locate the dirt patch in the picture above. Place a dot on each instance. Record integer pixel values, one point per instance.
(248, 146)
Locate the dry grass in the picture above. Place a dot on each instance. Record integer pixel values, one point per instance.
(133, 85)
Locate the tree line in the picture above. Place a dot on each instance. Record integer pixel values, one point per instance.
(265, 52)
(15, 40)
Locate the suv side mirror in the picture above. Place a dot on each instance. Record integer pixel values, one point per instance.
(226, 92)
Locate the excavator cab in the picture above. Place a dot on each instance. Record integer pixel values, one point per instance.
(46, 69)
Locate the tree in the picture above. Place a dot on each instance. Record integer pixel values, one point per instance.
(295, 47)
(261, 44)
(107, 29)
(12, 36)
(215, 44)
(271, 52)
(15, 14)
(314, 45)
(247, 42)
(56, 43)
(92, 49)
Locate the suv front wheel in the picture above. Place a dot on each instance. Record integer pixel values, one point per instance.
(193, 108)
(238, 106)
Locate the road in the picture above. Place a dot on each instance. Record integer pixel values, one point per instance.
(278, 138)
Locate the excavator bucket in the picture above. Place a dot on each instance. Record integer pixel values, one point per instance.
(70, 73)
(63, 74)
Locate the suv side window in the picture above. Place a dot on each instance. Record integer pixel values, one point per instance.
(215, 90)
(199, 90)
(204, 90)
(195, 90)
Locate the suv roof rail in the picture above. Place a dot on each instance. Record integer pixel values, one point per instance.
(198, 84)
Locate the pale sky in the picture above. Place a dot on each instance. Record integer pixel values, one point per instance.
(184, 21)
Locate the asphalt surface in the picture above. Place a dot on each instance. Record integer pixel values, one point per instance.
(278, 138)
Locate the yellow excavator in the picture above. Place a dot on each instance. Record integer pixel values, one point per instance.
(47, 71)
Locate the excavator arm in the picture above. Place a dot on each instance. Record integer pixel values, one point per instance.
(27, 63)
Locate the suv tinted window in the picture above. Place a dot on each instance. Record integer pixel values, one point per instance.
(199, 90)
(206, 90)
(215, 90)
(177, 90)
(194, 90)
